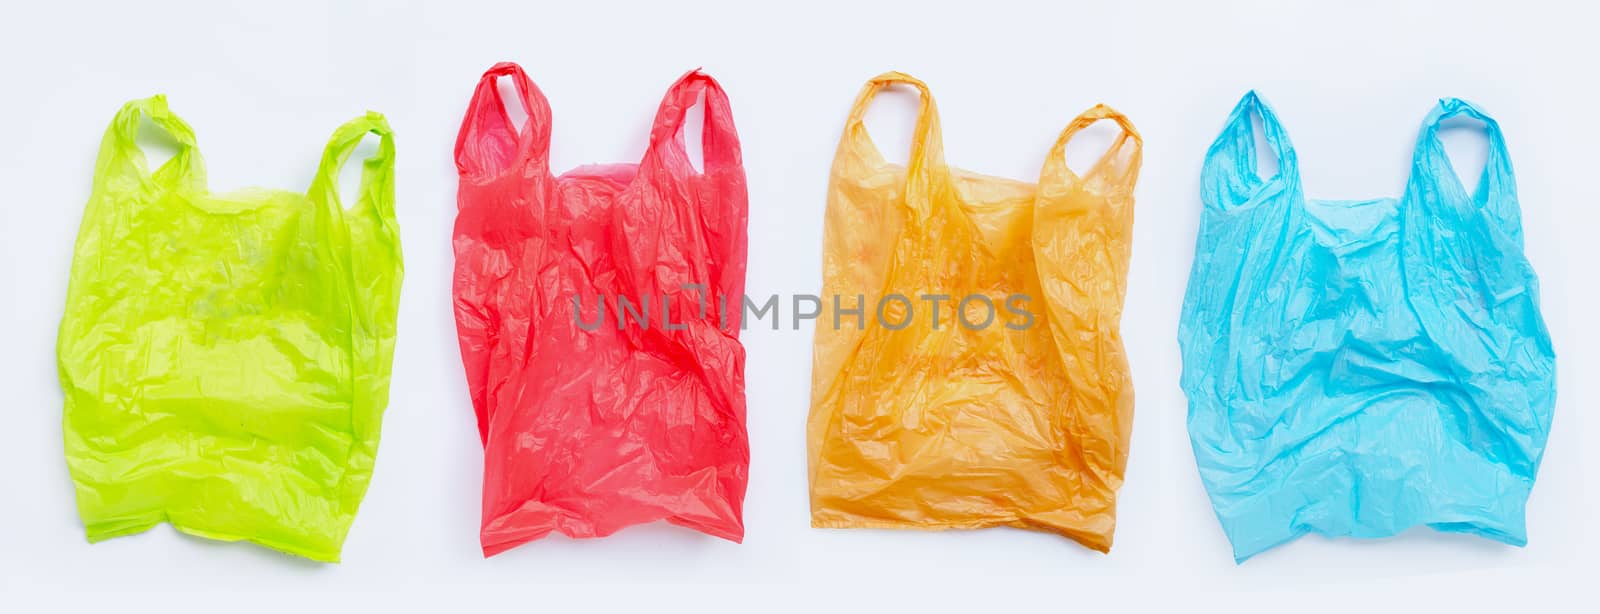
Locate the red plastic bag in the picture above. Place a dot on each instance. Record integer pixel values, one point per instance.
(598, 413)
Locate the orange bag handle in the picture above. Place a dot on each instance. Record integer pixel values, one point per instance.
(925, 170)
(719, 140)
(1089, 118)
(488, 144)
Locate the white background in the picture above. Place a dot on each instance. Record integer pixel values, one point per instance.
(264, 83)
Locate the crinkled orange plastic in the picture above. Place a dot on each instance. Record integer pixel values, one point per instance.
(955, 426)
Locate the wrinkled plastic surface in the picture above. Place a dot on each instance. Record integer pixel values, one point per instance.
(955, 427)
(1357, 368)
(226, 357)
(592, 426)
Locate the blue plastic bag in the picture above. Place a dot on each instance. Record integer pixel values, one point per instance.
(1358, 368)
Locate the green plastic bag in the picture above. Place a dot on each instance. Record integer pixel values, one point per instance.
(226, 357)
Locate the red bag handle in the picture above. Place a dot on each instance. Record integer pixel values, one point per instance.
(488, 144)
(719, 140)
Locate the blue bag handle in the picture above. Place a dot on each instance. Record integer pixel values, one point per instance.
(1469, 281)
(1432, 172)
(1229, 178)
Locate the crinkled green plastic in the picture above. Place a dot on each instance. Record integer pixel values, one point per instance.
(226, 357)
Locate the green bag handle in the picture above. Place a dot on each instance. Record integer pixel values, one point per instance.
(186, 168)
(372, 260)
(121, 146)
(376, 194)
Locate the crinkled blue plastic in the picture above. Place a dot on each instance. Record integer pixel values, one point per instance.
(1358, 368)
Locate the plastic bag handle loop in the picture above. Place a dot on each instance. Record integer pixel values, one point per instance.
(1088, 118)
(925, 169)
(927, 148)
(488, 143)
(1229, 176)
(123, 135)
(719, 142)
(1497, 183)
(379, 169)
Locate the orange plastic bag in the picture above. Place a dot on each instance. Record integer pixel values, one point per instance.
(922, 416)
